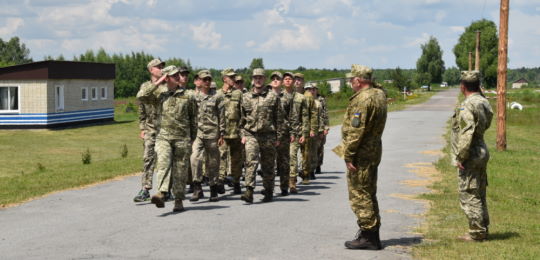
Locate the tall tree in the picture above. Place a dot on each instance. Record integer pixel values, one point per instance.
(13, 52)
(451, 76)
(399, 80)
(256, 63)
(430, 62)
(488, 49)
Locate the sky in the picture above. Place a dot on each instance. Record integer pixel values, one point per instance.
(285, 33)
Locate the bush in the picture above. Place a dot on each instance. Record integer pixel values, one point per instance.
(86, 156)
(40, 167)
(124, 151)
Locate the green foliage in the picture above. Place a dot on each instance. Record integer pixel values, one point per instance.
(256, 63)
(13, 52)
(324, 88)
(124, 151)
(86, 156)
(423, 79)
(400, 81)
(532, 75)
(452, 75)
(430, 63)
(488, 50)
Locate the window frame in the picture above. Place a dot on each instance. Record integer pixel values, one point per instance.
(101, 92)
(59, 106)
(91, 93)
(87, 94)
(18, 100)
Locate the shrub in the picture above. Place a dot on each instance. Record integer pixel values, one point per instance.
(124, 151)
(86, 156)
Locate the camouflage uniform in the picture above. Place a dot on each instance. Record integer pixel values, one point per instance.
(362, 129)
(471, 119)
(177, 128)
(299, 122)
(147, 123)
(316, 141)
(261, 125)
(324, 125)
(311, 142)
(283, 150)
(210, 127)
(231, 150)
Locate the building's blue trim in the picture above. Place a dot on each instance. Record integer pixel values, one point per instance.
(56, 118)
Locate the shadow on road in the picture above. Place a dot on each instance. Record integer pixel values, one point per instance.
(193, 208)
(404, 241)
(328, 177)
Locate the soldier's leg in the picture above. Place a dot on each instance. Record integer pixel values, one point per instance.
(293, 159)
(235, 148)
(362, 185)
(320, 151)
(267, 150)
(306, 158)
(212, 161)
(224, 160)
(252, 160)
(471, 188)
(164, 163)
(179, 172)
(149, 160)
(314, 153)
(196, 159)
(282, 163)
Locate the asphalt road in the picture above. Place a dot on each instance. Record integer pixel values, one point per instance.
(102, 222)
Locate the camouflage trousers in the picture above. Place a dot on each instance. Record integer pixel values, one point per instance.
(308, 156)
(283, 161)
(172, 165)
(314, 152)
(205, 151)
(362, 185)
(320, 150)
(149, 159)
(231, 159)
(293, 158)
(260, 149)
(472, 197)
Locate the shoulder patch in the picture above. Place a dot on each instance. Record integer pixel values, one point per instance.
(355, 122)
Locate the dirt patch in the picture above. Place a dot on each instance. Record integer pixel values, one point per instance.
(433, 152)
(426, 171)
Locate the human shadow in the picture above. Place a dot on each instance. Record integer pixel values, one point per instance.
(403, 241)
(323, 173)
(313, 187)
(193, 208)
(302, 192)
(329, 177)
(322, 182)
(502, 235)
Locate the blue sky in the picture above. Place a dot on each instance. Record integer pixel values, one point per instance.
(285, 33)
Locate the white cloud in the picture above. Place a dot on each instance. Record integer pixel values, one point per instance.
(457, 29)
(206, 36)
(250, 44)
(287, 40)
(11, 26)
(418, 41)
(329, 35)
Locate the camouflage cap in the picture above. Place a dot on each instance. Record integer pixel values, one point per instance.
(360, 71)
(183, 69)
(170, 70)
(310, 86)
(238, 78)
(258, 72)
(470, 76)
(288, 73)
(276, 73)
(228, 72)
(298, 75)
(204, 74)
(155, 62)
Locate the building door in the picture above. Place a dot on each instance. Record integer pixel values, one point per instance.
(59, 98)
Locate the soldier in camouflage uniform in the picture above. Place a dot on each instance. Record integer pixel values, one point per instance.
(210, 132)
(299, 125)
(363, 126)
(261, 130)
(470, 154)
(312, 125)
(231, 150)
(317, 139)
(324, 127)
(283, 150)
(239, 83)
(147, 125)
(177, 117)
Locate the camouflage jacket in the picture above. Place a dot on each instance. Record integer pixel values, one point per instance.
(261, 114)
(148, 111)
(298, 115)
(176, 110)
(471, 119)
(286, 106)
(324, 121)
(313, 118)
(363, 126)
(210, 116)
(232, 100)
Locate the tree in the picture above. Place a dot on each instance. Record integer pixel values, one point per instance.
(400, 81)
(256, 63)
(13, 52)
(430, 62)
(451, 76)
(423, 79)
(488, 49)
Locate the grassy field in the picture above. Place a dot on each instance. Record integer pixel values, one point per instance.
(512, 195)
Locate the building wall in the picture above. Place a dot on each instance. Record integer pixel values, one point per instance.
(73, 94)
(32, 94)
(334, 85)
(518, 85)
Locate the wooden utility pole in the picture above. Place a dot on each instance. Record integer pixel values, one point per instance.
(477, 57)
(470, 60)
(501, 76)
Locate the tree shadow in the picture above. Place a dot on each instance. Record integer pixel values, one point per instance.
(502, 235)
(403, 241)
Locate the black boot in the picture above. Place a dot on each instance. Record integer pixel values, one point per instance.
(237, 189)
(220, 187)
(190, 189)
(268, 195)
(312, 176)
(285, 192)
(197, 192)
(248, 195)
(318, 170)
(214, 193)
(365, 240)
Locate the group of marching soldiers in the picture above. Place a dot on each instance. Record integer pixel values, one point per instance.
(221, 137)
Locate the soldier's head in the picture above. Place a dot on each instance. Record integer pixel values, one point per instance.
(359, 77)
(184, 75)
(197, 81)
(276, 79)
(288, 80)
(206, 79)
(238, 82)
(228, 76)
(172, 74)
(470, 81)
(154, 67)
(299, 82)
(257, 78)
(312, 88)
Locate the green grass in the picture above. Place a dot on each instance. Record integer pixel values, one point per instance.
(512, 195)
(36, 162)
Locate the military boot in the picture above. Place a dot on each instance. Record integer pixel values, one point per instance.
(292, 186)
(220, 187)
(318, 170)
(365, 240)
(305, 179)
(143, 195)
(190, 189)
(468, 238)
(214, 193)
(197, 192)
(178, 205)
(236, 188)
(159, 199)
(268, 195)
(312, 176)
(248, 195)
(285, 192)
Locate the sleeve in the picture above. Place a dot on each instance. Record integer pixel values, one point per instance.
(355, 130)
(146, 93)
(142, 116)
(467, 126)
(325, 119)
(279, 115)
(193, 117)
(314, 117)
(221, 115)
(304, 127)
(243, 115)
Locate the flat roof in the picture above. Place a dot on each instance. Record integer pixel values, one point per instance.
(52, 69)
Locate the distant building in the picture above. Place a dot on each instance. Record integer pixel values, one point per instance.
(56, 93)
(388, 81)
(520, 83)
(335, 84)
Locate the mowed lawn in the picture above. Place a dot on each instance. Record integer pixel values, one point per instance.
(513, 194)
(36, 162)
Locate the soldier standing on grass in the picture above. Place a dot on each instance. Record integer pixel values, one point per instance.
(210, 132)
(470, 154)
(231, 150)
(261, 130)
(363, 126)
(147, 125)
(177, 118)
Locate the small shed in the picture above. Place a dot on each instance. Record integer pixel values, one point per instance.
(520, 83)
(56, 93)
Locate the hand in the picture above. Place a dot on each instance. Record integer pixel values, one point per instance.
(325, 132)
(243, 140)
(160, 80)
(301, 140)
(220, 141)
(141, 135)
(276, 144)
(350, 167)
(460, 166)
(292, 139)
(311, 134)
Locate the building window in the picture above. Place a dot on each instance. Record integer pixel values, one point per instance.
(9, 99)
(59, 98)
(94, 93)
(84, 94)
(103, 92)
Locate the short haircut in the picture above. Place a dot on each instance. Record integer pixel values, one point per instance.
(473, 86)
